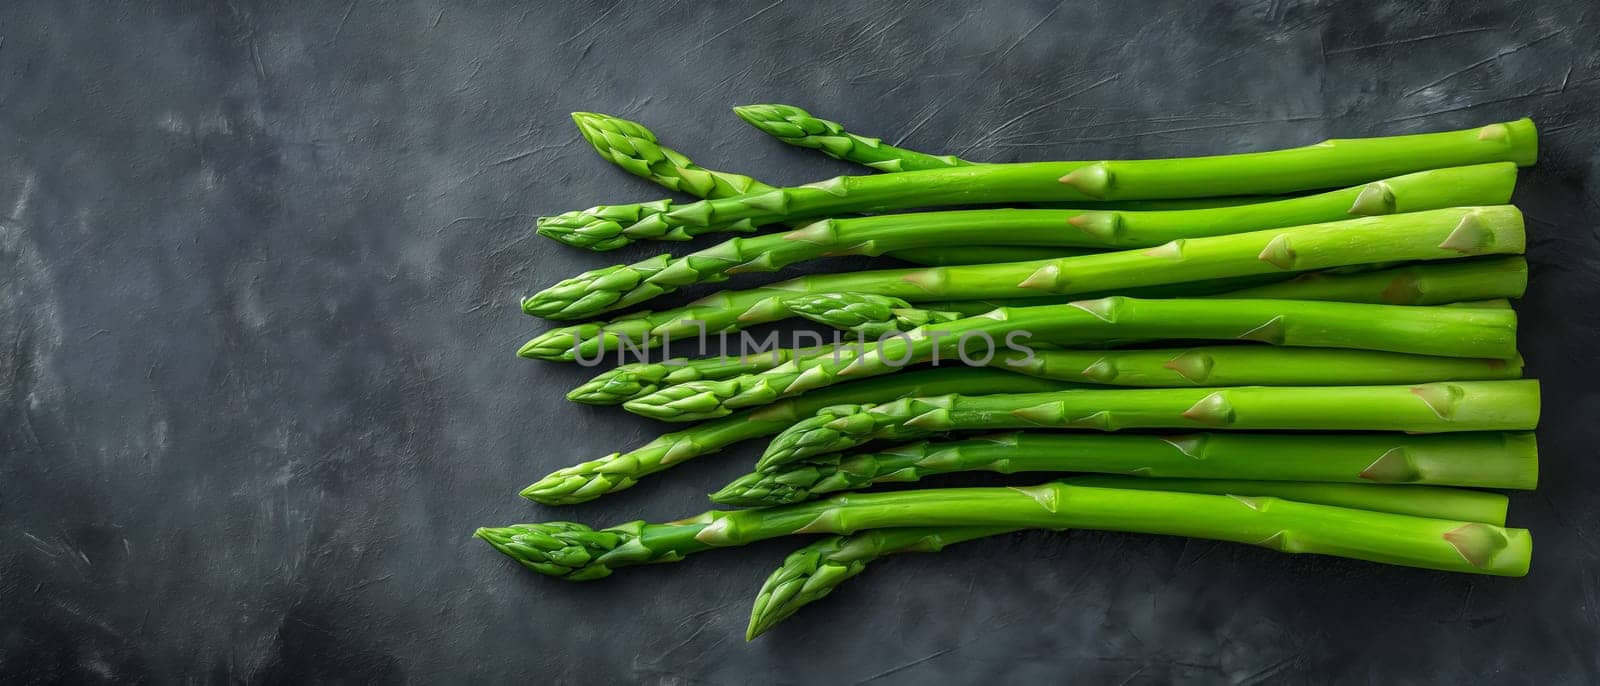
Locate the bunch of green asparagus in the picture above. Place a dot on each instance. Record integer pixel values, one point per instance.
(1310, 350)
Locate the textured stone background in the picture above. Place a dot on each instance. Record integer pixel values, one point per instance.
(258, 267)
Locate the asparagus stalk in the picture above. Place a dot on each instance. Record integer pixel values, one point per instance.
(1231, 365)
(1329, 164)
(1418, 501)
(1255, 365)
(626, 382)
(589, 480)
(1508, 405)
(576, 552)
(799, 128)
(1446, 332)
(729, 311)
(1476, 459)
(812, 572)
(942, 256)
(635, 148)
(868, 315)
(1419, 284)
(1192, 245)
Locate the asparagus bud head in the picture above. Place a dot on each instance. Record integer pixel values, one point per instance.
(566, 550)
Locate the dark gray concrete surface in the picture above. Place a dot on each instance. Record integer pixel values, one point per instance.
(258, 273)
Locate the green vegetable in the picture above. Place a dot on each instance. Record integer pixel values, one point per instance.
(589, 480)
(953, 256)
(576, 552)
(1421, 283)
(1255, 365)
(868, 315)
(1417, 501)
(1440, 331)
(1329, 164)
(1509, 405)
(633, 147)
(1188, 248)
(626, 382)
(1475, 459)
(729, 311)
(812, 572)
(798, 127)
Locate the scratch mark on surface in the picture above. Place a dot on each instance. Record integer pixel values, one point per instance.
(686, 641)
(39, 544)
(255, 56)
(22, 408)
(1134, 675)
(477, 67)
(1025, 34)
(1471, 105)
(1269, 671)
(938, 41)
(585, 30)
(1482, 62)
(532, 151)
(737, 24)
(1030, 111)
(937, 108)
(342, 20)
(908, 665)
(1414, 39)
(436, 19)
(1225, 58)
(1160, 132)
(369, 582)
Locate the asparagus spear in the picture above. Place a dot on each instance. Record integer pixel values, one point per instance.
(1417, 501)
(868, 315)
(638, 379)
(626, 382)
(952, 256)
(1476, 459)
(728, 311)
(1507, 405)
(635, 148)
(1419, 283)
(1332, 163)
(1190, 249)
(799, 128)
(812, 572)
(576, 552)
(617, 471)
(1256, 365)
(1446, 332)
(1416, 284)
(1229, 365)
